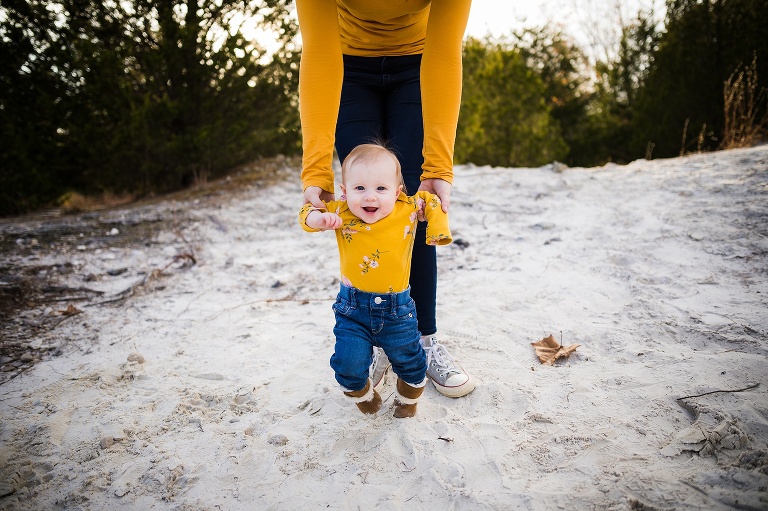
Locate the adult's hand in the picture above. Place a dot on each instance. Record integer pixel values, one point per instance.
(440, 188)
(316, 195)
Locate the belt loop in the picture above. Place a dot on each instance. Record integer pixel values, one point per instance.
(353, 296)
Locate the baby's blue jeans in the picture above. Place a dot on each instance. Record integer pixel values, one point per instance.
(386, 320)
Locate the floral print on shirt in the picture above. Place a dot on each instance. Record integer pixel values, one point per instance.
(370, 262)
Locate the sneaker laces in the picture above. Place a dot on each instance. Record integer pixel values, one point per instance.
(437, 353)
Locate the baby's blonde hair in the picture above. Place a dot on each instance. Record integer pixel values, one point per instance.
(370, 153)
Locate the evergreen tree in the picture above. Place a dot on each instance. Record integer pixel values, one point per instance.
(563, 69)
(504, 118)
(32, 91)
(680, 106)
(141, 96)
(608, 132)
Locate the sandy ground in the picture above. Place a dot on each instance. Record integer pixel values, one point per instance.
(191, 372)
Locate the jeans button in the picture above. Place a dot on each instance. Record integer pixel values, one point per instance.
(377, 300)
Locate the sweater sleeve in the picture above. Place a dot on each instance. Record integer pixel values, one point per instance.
(438, 230)
(441, 85)
(320, 76)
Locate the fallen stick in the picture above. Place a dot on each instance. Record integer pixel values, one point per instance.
(716, 391)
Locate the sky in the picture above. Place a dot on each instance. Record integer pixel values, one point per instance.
(594, 24)
(499, 17)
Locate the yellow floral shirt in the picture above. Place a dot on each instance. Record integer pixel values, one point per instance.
(376, 257)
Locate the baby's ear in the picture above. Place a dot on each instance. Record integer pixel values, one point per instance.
(343, 189)
(399, 190)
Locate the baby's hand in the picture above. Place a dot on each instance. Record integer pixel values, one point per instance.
(323, 220)
(332, 220)
(420, 212)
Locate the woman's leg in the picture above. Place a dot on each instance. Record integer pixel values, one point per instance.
(405, 131)
(361, 121)
(404, 127)
(381, 99)
(361, 111)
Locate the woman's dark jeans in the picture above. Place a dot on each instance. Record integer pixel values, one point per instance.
(381, 101)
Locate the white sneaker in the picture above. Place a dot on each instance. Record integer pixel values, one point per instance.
(379, 367)
(447, 376)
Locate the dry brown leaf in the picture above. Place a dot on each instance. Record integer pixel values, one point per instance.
(549, 350)
(71, 310)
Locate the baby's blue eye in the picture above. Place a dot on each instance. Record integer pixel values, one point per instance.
(360, 187)
(382, 188)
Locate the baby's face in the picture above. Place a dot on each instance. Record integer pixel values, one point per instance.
(372, 188)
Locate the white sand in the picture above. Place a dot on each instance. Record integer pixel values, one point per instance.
(658, 269)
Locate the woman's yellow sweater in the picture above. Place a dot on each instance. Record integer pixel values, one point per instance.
(330, 28)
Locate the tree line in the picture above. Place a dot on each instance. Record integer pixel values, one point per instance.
(149, 96)
(141, 96)
(697, 84)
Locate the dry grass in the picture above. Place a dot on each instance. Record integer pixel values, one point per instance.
(263, 172)
(73, 202)
(746, 116)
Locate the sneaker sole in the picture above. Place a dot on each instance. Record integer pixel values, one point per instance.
(378, 385)
(459, 391)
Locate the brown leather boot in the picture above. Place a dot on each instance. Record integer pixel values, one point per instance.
(406, 398)
(366, 399)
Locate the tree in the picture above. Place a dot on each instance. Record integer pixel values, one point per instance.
(141, 96)
(607, 133)
(31, 93)
(680, 106)
(563, 69)
(504, 119)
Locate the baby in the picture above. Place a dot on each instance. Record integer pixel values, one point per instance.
(375, 224)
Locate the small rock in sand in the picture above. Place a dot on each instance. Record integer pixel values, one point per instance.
(278, 440)
(136, 357)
